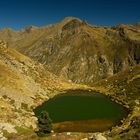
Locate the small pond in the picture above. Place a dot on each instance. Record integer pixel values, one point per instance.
(82, 111)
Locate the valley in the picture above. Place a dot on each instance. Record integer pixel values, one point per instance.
(42, 64)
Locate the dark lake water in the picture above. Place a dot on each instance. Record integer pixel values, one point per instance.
(82, 108)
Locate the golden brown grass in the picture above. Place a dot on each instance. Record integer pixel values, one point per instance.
(83, 126)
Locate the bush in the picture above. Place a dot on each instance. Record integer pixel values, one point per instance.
(44, 124)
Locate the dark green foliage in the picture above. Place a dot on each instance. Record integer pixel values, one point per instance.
(44, 124)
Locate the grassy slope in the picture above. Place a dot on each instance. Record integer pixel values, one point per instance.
(23, 84)
(125, 88)
(124, 85)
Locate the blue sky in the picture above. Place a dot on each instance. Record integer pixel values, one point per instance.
(18, 14)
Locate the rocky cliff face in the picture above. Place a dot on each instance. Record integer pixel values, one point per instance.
(78, 51)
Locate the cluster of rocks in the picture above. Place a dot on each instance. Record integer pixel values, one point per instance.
(6, 127)
(96, 136)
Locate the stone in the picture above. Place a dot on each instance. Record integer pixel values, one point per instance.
(8, 127)
(68, 133)
(84, 139)
(98, 137)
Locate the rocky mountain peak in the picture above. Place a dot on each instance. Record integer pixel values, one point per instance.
(68, 19)
(71, 23)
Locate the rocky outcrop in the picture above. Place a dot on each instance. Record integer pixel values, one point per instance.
(98, 137)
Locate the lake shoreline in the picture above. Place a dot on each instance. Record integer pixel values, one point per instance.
(83, 93)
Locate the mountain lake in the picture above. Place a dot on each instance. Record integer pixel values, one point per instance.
(82, 111)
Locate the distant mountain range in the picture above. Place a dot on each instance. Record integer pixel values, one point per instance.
(77, 51)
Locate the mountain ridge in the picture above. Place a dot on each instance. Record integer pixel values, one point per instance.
(92, 52)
